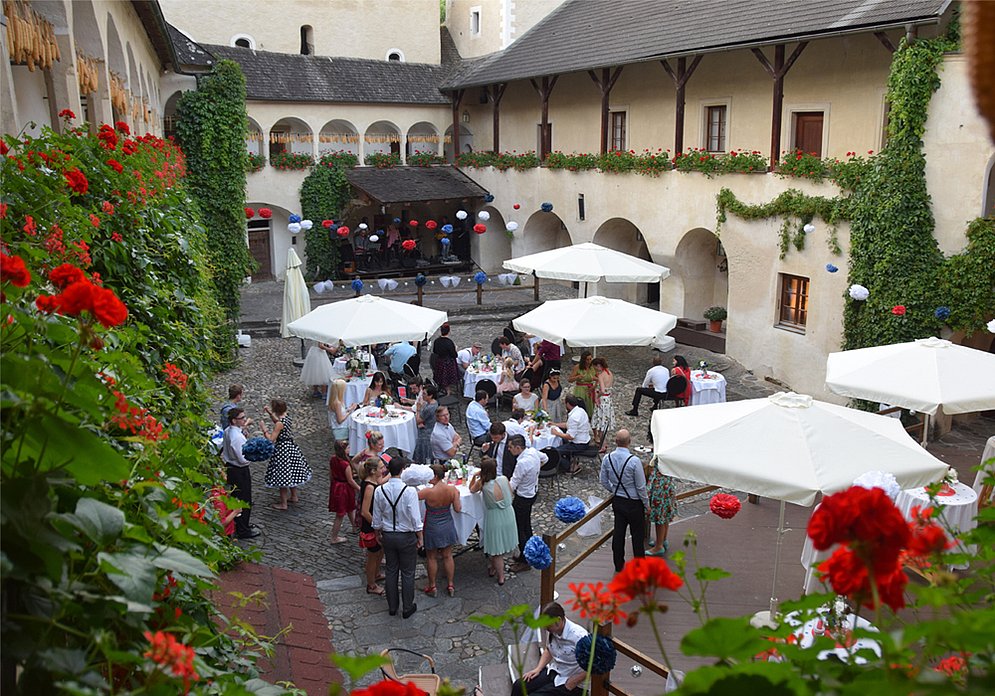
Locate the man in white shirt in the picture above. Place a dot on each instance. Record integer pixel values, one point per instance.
(478, 422)
(623, 477)
(524, 484)
(654, 385)
(557, 673)
(397, 520)
(445, 439)
(514, 424)
(237, 471)
(577, 435)
(467, 356)
(510, 350)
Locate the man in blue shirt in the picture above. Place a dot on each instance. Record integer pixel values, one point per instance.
(477, 420)
(399, 354)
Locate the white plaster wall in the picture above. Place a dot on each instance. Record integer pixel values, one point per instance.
(502, 22)
(32, 102)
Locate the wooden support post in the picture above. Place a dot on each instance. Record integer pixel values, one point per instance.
(605, 83)
(680, 78)
(497, 92)
(545, 88)
(480, 294)
(421, 296)
(777, 71)
(547, 582)
(457, 100)
(885, 41)
(535, 287)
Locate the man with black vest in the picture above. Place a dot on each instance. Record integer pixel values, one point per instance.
(498, 448)
(622, 476)
(397, 520)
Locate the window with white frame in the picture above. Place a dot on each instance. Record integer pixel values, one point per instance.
(618, 134)
(474, 21)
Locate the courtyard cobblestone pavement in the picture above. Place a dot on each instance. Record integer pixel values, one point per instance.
(299, 539)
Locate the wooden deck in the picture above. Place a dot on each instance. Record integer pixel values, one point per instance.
(743, 545)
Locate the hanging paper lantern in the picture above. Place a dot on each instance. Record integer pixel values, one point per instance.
(445, 241)
(512, 226)
(249, 213)
(484, 215)
(420, 279)
(461, 214)
(488, 198)
(306, 225)
(547, 207)
(374, 238)
(319, 287)
(294, 218)
(265, 213)
(357, 285)
(898, 310)
(517, 206)
(569, 509)
(294, 227)
(327, 223)
(342, 231)
(479, 277)
(809, 228)
(991, 326)
(537, 554)
(605, 654)
(431, 225)
(480, 228)
(397, 221)
(413, 223)
(942, 313)
(363, 226)
(447, 228)
(831, 268)
(859, 292)
(408, 244)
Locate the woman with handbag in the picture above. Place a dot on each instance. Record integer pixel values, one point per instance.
(367, 536)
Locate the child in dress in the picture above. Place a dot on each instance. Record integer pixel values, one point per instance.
(342, 490)
(225, 515)
(506, 380)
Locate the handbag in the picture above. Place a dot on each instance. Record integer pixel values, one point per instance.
(368, 540)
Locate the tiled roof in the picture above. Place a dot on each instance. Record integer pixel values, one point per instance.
(297, 78)
(587, 34)
(188, 52)
(404, 184)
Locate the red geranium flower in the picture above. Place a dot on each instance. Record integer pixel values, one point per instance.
(107, 308)
(94, 220)
(66, 113)
(77, 180)
(175, 376)
(951, 666)
(265, 213)
(65, 275)
(14, 271)
(249, 213)
(165, 650)
(3, 209)
(725, 505)
(641, 577)
(596, 602)
(115, 165)
(123, 127)
(76, 298)
(480, 228)
(388, 687)
(107, 207)
(408, 244)
(47, 304)
(898, 310)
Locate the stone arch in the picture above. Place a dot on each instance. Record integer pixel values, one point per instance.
(382, 137)
(703, 269)
(622, 235)
(421, 137)
(254, 137)
(117, 67)
(338, 135)
(169, 114)
(465, 141)
(541, 232)
(988, 195)
(492, 248)
(291, 134)
(87, 37)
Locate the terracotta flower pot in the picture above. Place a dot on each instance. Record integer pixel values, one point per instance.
(715, 326)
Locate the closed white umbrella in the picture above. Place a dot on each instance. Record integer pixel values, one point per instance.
(590, 263)
(368, 319)
(788, 447)
(296, 300)
(598, 321)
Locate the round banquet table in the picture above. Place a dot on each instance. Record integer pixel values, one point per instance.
(398, 428)
(475, 373)
(339, 364)
(959, 511)
(541, 438)
(707, 387)
(814, 628)
(355, 389)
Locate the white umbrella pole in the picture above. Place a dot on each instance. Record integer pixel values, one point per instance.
(768, 618)
(925, 428)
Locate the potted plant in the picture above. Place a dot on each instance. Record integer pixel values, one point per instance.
(715, 315)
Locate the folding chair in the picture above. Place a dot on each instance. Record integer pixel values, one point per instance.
(550, 471)
(429, 682)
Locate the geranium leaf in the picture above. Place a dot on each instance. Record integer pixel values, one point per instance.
(725, 638)
(101, 522)
(134, 575)
(767, 678)
(706, 574)
(357, 666)
(172, 558)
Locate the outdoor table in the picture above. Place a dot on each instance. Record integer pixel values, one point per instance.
(958, 510)
(541, 437)
(471, 513)
(476, 372)
(986, 471)
(707, 387)
(355, 389)
(813, 628)
(398, 428)
(339, 365)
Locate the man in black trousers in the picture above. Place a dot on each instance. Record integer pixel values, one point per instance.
(622, 475)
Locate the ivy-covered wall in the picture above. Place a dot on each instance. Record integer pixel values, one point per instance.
(324, 195)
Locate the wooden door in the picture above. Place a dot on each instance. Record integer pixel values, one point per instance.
(259, 247)
(808, 132)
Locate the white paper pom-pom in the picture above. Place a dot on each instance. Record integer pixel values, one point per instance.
(859, 292)
(293, 227)
(417, 475)
(991, 326)
(306, 224)
(809, 228)
(484, 215)
(374, 238)
(363, 226)
(879, 479)
(512, 226)
(461, 214)
(319, 287)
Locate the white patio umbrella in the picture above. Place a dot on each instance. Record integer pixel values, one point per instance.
(923, 375)
(788, 447)
(296, 300)
(368, 319)
(598, 321)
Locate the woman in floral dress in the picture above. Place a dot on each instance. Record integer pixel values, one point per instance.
(663, 509)
(603, 420)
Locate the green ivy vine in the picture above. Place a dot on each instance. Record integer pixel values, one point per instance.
(324, 196)
(797, 210)
(211, 128)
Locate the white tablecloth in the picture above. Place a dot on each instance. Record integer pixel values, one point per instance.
(400, 432)
(340, 362)
(473, 375)
(355, 390)
(541, 438)
(707, 390)
(817, 627)
(958, 510)
(987, 471)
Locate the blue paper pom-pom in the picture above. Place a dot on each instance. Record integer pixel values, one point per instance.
(604, 654)
(445, 241)
(294, 218)
(258, 449)
(420, 279)
(537, 553)
(488, 198)
(397, 221)
(569, 509)
(831, 268)
(479, 277)
(447, 228)
(357, 285)
(547, 207)
(942, 313)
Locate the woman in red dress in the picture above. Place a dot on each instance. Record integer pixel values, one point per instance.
(681, 368)
(342, 490)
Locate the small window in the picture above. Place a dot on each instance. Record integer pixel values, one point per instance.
(715, 128)
(243, 41)
(618, 130)
(793, 311)
(394, 57)
(581, 211)
(475, 21)
(307, 40)
(808, 132)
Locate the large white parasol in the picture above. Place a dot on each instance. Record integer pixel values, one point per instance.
(589, 263)
(366, 320)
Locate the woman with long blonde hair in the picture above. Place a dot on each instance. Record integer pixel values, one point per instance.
(338, 414)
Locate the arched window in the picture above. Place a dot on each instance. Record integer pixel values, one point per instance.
(307, 40)
(243, 41)
(395, 55)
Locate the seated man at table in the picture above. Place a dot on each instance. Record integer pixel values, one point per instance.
(524, 484)
(654, 385)
(557, 673)
(576, 437)
(445, 439)
(466, 356)
(510, 350)
(477, 420)
(498, 448)
(399, 353)
(514, 424)
(412, 398)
